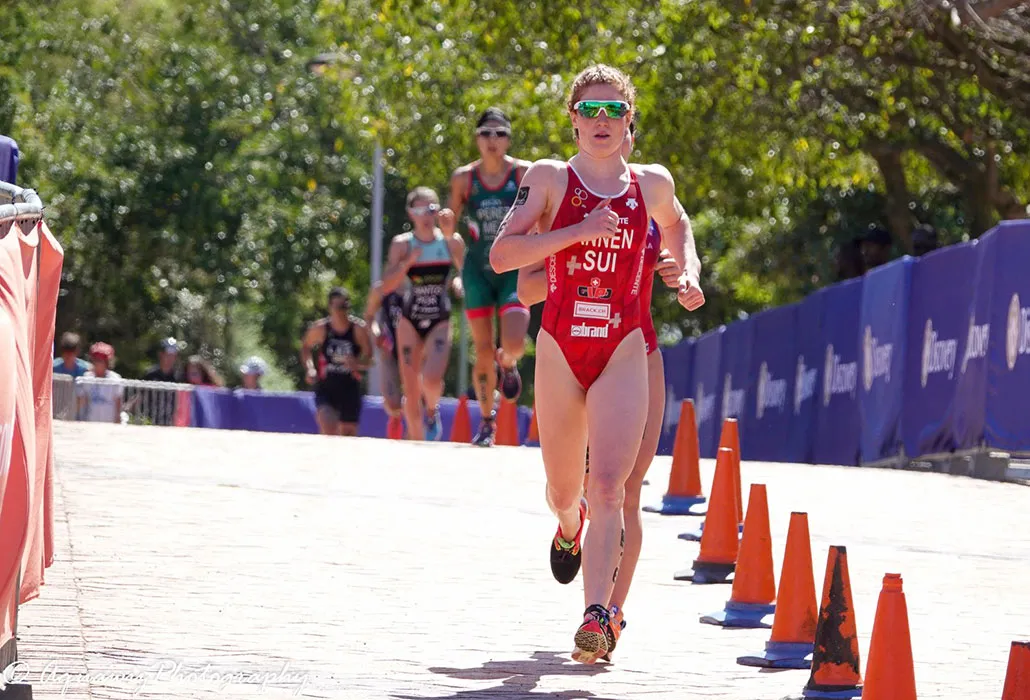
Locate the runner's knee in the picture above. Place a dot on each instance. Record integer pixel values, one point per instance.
(606, 489)
(563, 500)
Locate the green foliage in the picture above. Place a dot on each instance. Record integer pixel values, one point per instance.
(207, 185)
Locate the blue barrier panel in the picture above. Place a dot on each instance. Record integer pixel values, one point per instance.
(213, 408)
(968, 423)
(279, 412)
(883, 325)
(1008, 359)
(836, 437)
(9, 160)
(294, 412)
(737, 382)
(807, 373)
(677, 362)
(942, 289)
(769, 408)
(706, 379)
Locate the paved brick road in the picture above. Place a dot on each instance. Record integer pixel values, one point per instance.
(194, 563)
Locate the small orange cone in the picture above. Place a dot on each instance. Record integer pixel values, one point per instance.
(534, 430)
(1017, 678)
(889, 673)
(461, 429)
(685, 478)
(719, 544)
(729, 438)
(835, 662)
(507, 424)
(754, 585)
(793, 630)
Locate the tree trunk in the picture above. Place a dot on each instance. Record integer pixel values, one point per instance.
(899, 216)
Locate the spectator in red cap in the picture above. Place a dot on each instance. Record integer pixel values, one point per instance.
(100, 394)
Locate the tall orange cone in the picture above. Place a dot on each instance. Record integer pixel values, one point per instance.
(835, 662)
(754, 585)
(1017, 678)
(729, 438)
(685, 477)
(534, 430)
(793, 630)
(718, 557)
(461, 429)
(507, 424)
(889, 673)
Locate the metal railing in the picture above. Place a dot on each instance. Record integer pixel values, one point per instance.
(133, 401)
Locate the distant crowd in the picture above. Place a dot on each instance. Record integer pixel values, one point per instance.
(107, 401)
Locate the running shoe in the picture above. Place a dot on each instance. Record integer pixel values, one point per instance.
(566, 556)
(511, 382)
(434, 427)
(614, 629)
(485, 436)
(592, 635)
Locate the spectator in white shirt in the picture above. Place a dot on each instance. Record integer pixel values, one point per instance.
(101, 401)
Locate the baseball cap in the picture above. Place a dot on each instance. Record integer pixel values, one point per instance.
(101, 350)
(170, 345)
(253, 365)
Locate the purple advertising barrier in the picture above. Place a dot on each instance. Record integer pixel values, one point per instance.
(942, 291)
(807, 375)
(769, 409)
(883, 327)
(836, 436)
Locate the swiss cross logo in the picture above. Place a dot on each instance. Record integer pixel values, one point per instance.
(594, 290)
(616, 320)
(572, 265)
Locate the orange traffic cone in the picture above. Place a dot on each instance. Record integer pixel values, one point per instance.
(685, 478)
(719, 544)
(729, 438)
(507, 424)
(461, 429)
(754, 585)
(835, 663)
(889, 673)
(793, 630)
(1017, 678)
(534, 430)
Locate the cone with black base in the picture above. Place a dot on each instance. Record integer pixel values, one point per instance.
(684, 493)
(717, 559)
(754, 584)
(793, 631)
(835, 662)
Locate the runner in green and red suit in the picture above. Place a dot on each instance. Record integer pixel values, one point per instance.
(485, 190)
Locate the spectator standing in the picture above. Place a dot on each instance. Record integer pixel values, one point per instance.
(251, 372)
(158, 405)
(200, 372)
(69, 361)
(101, 401)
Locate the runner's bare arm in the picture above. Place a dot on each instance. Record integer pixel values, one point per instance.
(668, 213)
(398, 260)
(372, 306)
(315, 335)
(513, 248)
(456, 246)
(532, 287)
(364, 360)
(459, 191)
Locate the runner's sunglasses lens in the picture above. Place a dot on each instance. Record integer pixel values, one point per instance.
(593, 108)
(421, 211)
(499, 133)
